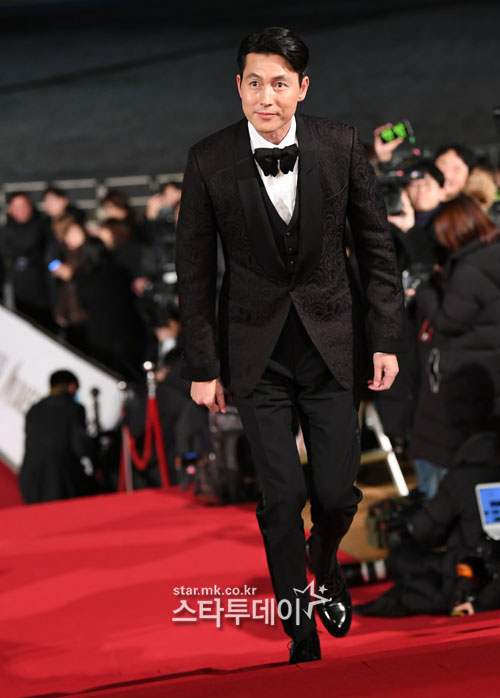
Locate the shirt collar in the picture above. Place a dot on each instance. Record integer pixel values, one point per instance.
(256, 140)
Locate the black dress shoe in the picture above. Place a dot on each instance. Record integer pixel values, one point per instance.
(306, 650)
(336, 613)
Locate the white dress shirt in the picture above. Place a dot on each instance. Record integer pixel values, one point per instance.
(281, 189)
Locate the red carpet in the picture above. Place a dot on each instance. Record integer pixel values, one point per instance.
(9, 491)
(87, 601)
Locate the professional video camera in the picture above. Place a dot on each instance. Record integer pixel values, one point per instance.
(387, 520)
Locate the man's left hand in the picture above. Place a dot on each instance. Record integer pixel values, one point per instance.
(385, 370)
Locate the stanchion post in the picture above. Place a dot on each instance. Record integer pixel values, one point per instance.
(155, 423)
(126, 480)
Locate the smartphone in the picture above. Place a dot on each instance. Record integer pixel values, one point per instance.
(402, 129)
(54, 264)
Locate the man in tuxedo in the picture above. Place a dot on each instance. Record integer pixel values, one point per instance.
(289, 341)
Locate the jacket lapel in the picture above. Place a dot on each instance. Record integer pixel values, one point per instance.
(310, 198)
(255, 215)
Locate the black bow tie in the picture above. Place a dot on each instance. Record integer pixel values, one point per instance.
(268, 159)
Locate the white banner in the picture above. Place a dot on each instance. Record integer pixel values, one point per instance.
(27, 358)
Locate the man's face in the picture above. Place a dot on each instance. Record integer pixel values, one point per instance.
(54, 205)
(425, 193)
(20, 209)
(269, 91)
(455, 173)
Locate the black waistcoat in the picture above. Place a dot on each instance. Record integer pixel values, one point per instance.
(286, 236)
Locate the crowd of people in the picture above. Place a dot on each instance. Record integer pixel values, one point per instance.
(107, 287)
(444, 408)
(91, 281)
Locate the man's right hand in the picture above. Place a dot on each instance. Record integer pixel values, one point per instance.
(210, 394)
(384, 150)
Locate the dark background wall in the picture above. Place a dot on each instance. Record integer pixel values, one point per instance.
(125, 87)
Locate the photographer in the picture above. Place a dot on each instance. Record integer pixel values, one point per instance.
(412, 200)
(427, 540)
(425, 577)
(155, 282)
(421, 200)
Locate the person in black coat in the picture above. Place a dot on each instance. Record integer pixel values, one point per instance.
(125, 252)
(422, 199)
(23, 244)
(114, 331)
(418, 253)
(426, 579)
(57, 461)
(460, 314)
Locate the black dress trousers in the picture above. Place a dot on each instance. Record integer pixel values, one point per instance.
(297, 383)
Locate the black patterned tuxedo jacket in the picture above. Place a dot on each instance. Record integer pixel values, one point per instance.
(221, 194)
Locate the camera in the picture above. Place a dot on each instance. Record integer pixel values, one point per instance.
(392, 182)
(387, 520)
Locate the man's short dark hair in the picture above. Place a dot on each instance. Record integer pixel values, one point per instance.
(15, 194)
(279, 41)
(462, 151)
(62, 379)
(424, 166)
(56, 192)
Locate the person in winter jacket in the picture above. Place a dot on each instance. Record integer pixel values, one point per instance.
(57, 460)
(460, 314)
(23, 245)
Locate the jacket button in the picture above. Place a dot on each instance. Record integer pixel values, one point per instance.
(290, 249)
(288, 233)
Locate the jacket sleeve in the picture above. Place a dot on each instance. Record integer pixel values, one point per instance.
(459, 304)
(489, 597)
(376, 255)
(196, 263)
(431, 524)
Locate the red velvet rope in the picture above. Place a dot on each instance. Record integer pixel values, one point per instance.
(151, 427)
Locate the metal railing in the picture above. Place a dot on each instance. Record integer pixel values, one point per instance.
(87, 193)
